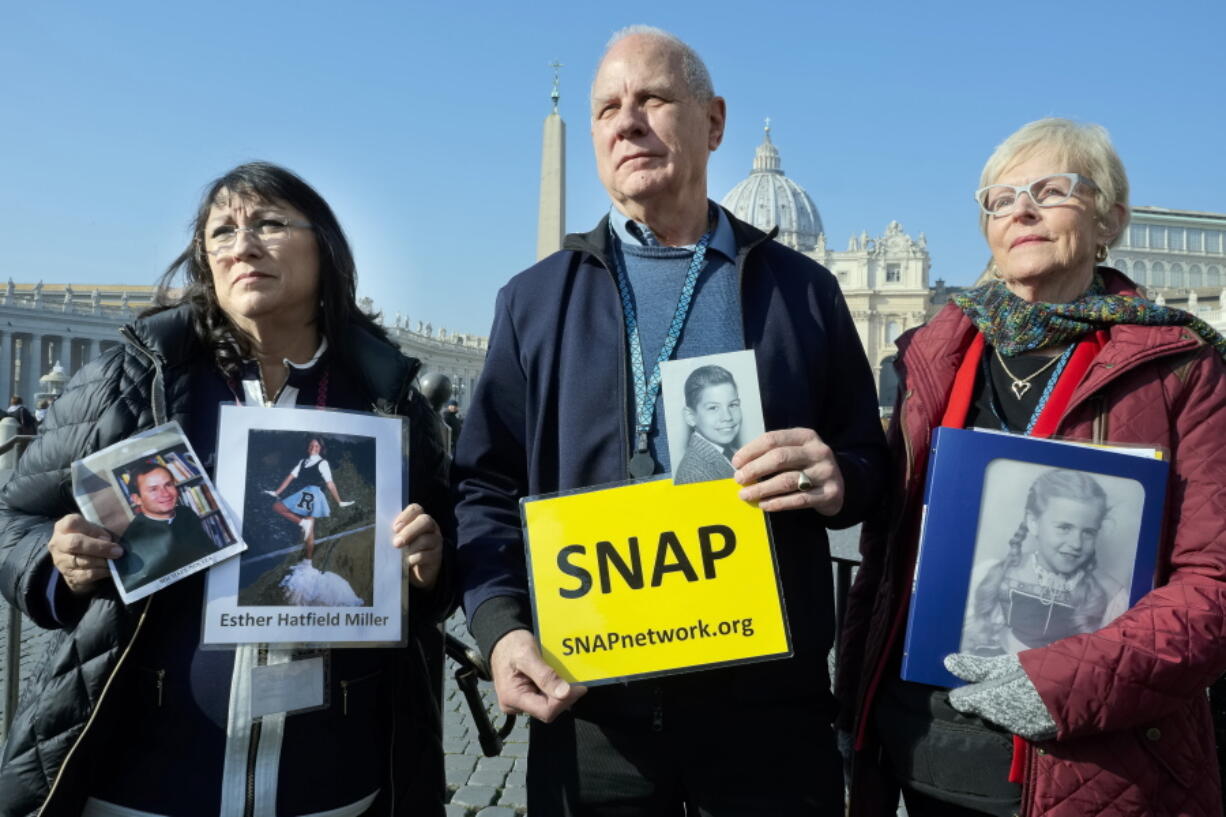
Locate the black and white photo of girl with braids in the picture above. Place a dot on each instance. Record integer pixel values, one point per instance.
(1049, 585)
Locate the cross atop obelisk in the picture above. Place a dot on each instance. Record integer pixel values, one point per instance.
(555, 65)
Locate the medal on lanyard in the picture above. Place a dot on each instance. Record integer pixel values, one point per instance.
(646, 390)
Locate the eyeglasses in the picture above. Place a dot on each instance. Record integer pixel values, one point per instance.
(1000, 199)
(268, 231)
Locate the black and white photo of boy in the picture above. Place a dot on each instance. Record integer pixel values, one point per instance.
(712, 407)
(713, 413)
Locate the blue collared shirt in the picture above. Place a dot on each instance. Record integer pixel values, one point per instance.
(722, 241)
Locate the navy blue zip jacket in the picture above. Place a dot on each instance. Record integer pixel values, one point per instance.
(553, 410)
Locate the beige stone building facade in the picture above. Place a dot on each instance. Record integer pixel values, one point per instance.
(1179, 256)
(884, 278)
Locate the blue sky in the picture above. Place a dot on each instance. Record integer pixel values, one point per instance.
(421, 123)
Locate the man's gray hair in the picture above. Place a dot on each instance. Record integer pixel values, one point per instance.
(697, 77)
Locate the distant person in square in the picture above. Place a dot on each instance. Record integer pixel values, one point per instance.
(164, 535)
(27, 423)
(453, 421)
(713, 412)
(1049, 590)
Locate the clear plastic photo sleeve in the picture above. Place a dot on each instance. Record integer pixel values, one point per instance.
(152, 494)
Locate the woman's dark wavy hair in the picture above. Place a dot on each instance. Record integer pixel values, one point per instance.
(338, 307)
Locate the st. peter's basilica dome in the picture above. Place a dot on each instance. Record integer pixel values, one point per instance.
(768, 199)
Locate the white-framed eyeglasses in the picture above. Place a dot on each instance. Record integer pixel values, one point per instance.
(268, 231)
(1000, 199)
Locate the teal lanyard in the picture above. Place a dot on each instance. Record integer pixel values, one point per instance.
(646, 390)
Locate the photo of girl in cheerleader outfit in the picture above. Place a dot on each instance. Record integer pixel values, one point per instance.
(307, 502)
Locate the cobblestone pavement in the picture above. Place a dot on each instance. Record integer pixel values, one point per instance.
(479, 785)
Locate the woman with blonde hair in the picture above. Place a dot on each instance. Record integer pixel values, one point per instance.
(1109, 722)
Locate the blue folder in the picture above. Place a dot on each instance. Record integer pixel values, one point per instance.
(953, 518)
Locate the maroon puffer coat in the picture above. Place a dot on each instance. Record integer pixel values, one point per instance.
(1135, 736)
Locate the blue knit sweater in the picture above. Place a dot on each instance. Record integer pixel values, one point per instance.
(656, 275)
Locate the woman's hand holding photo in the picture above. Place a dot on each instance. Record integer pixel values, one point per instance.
(417, 534)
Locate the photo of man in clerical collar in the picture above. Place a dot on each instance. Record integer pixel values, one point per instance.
(164, 535)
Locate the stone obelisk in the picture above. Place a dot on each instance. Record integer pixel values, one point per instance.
(551, 222)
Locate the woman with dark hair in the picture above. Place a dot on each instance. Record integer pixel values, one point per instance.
(130, 715)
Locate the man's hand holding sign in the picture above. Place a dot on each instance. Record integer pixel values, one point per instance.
(664, 576)
(525, 684)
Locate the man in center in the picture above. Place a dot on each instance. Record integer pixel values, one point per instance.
(563, 404)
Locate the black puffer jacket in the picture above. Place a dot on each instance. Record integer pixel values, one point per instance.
(63, 718)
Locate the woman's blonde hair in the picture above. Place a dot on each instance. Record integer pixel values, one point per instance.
(1081, 147)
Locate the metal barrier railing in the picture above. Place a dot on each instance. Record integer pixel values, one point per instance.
(843, 568)
(472, 668)
(12, 445)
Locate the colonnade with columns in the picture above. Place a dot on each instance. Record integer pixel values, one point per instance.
(34, 340)
(36, 333)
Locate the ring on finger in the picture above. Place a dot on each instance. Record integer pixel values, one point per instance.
(803, 483)
(76, 560)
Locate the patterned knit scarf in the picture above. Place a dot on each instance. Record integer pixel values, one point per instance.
(1015, 326)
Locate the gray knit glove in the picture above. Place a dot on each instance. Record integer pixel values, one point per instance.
(1000, 691)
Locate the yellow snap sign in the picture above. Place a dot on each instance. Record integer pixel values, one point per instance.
(652, 578)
